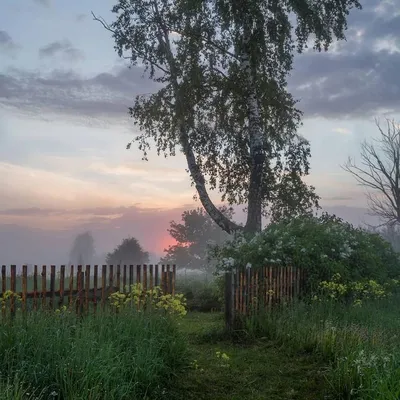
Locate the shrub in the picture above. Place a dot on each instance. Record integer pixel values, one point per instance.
(153, 299)
(354, 292)
(322, 246)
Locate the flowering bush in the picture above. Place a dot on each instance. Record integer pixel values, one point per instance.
(152, 298)
(321, 245)
(354, 292)
(7, 296)
(224, 359)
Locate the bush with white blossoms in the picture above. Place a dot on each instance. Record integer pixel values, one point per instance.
(323, 245)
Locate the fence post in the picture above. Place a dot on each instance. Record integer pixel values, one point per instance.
(229, 299)
(13, 288)
(3, 287)
(24, 287)
(173, 279)
(52, 285)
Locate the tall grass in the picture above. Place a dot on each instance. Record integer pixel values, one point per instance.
(361, 344)
(124, 356)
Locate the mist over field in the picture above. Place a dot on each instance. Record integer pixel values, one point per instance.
(30, 245)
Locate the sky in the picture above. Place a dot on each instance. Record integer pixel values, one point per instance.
(64, 127)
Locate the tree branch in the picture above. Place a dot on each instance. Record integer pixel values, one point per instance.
(381, 173)
(225, 223)
(141, 54)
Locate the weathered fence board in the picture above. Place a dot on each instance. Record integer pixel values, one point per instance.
(85, 288)
(249, 290)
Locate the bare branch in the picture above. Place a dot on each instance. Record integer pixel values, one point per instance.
(380, 173)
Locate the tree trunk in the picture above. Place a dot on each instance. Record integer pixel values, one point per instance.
(220, 219)
(257, 152)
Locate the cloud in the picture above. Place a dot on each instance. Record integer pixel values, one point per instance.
(355, 78)
(46, 3)
(33, 188)
(107, 95)
(7, 44)
(337, 198)
(342, 131)
(359, 77)
(81, 17)
(33, 211)
(150, 172)
(61, 47)
(41, 188)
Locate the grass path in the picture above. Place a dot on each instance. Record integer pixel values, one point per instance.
(260, 370)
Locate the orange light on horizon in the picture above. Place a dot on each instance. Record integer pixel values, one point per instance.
(164, 243)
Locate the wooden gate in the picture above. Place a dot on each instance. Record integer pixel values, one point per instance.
(250, 290)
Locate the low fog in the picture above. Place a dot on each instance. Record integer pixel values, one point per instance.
(21, 245)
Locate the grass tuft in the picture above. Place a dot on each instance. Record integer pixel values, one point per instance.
(124, 356)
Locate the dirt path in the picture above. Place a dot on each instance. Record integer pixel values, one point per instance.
(254, 372)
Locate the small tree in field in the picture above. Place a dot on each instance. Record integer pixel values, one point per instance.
(193, 237)
(128, 252)
(379, 173)
(82, 250)
(222, 67)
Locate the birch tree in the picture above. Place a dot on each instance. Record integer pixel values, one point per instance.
(223, 101)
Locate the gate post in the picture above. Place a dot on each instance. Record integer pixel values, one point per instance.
(229, 299)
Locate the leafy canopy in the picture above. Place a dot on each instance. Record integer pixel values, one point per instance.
(323, 246)
(128, 252)
(193, 237)
(222, 67)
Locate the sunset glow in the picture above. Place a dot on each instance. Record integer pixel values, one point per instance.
(64, 128)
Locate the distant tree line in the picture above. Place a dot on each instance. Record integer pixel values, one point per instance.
(129, 251)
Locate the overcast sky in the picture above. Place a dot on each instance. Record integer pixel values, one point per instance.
(64, 126)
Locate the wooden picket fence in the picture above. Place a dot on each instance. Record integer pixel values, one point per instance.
(249, 290)
(80, 287)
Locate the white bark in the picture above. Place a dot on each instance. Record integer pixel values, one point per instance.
(257, 152)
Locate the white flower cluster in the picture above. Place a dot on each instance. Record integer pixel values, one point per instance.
(370, 361)
(228, 262)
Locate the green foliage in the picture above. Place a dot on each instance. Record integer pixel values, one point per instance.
(128, 252)
(223, 67)
(193, 236)
(56, 355)
(202, 295)
(7, 296)
(354, 292)
(323, 246)
(152, 300)
(361, 344)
